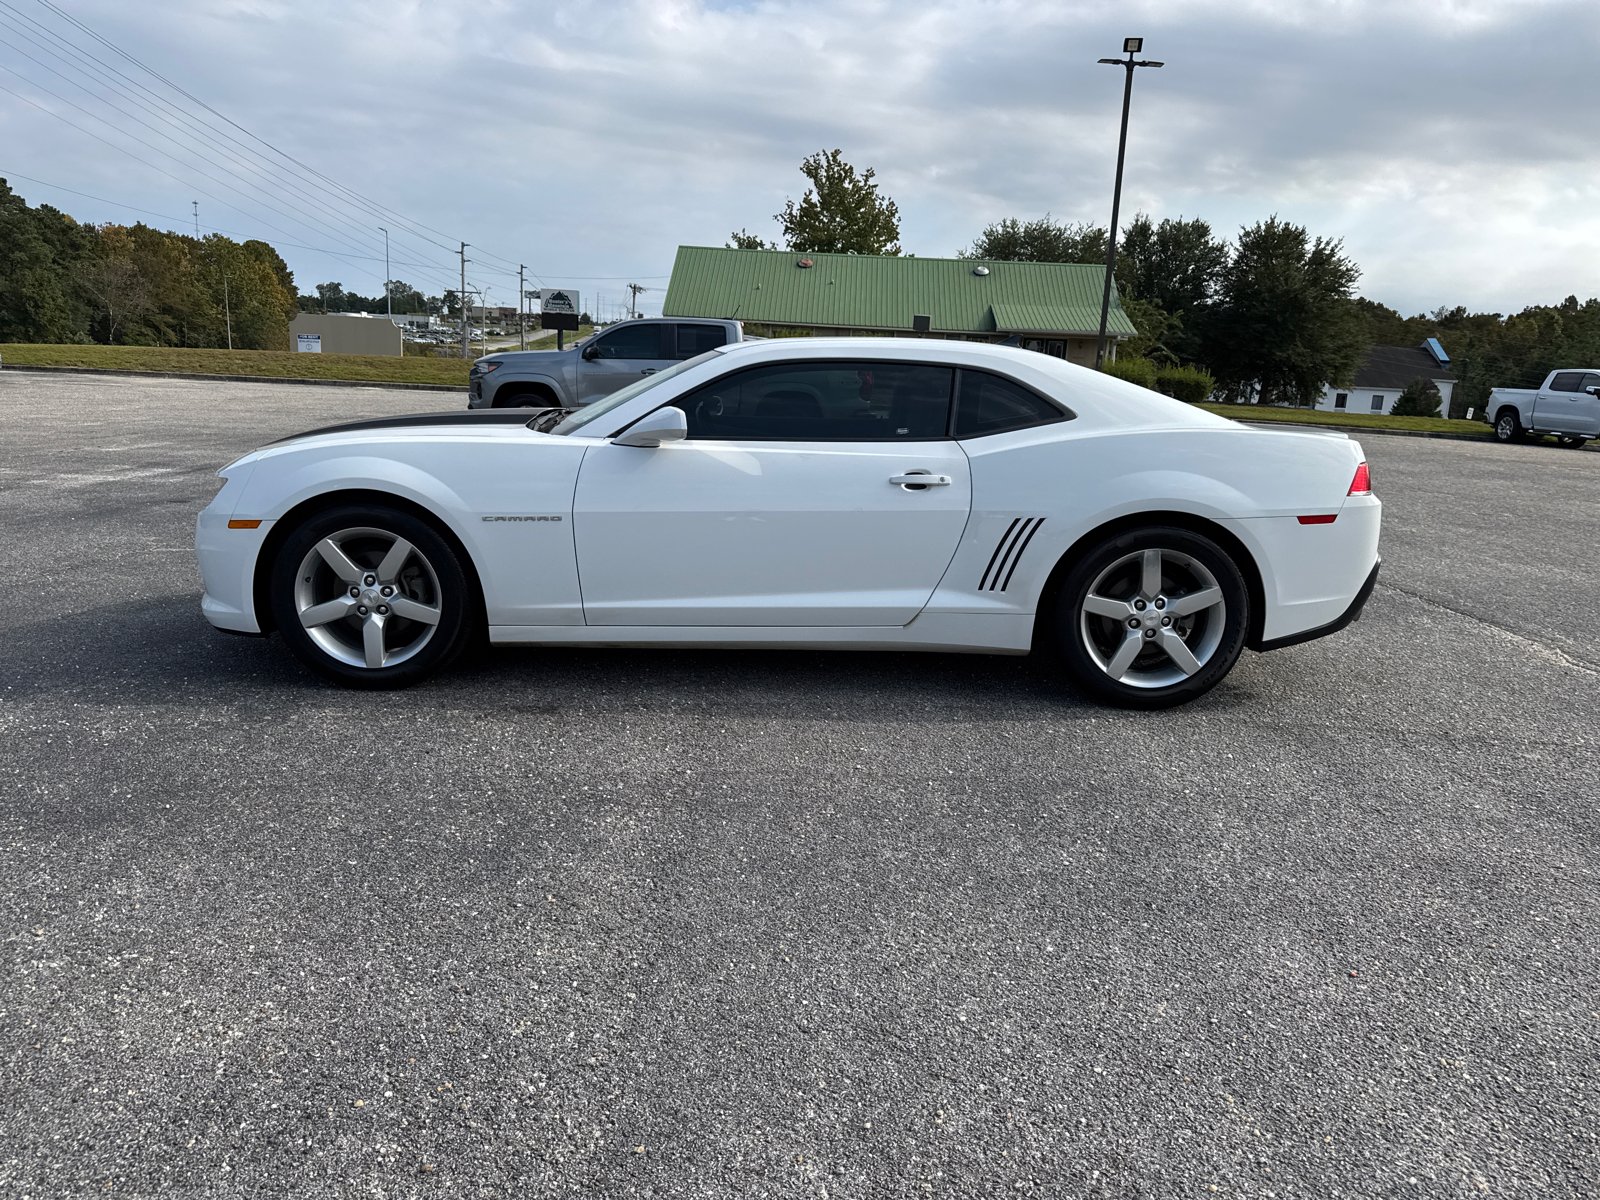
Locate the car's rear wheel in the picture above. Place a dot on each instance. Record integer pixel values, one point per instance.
(371, 597)
(1152, 618)
(1507, 428)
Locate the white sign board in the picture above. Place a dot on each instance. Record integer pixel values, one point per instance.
(308, 343)
(558, 300)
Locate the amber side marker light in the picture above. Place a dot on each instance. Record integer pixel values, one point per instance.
(244, 524)
(1361, 485)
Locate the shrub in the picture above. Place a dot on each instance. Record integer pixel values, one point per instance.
(1135, 370)
(1190, 384)
(1420, 399)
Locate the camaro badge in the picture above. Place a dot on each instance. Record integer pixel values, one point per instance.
(522, 518)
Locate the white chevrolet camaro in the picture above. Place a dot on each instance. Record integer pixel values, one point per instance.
(848, 494)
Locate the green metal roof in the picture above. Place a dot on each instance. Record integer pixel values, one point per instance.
(860, 291)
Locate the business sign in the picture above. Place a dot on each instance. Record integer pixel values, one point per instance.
(308, 343)
(558, 308)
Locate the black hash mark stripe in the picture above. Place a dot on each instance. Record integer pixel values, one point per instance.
(1008, 553)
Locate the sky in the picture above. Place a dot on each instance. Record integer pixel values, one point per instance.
(1453, 145)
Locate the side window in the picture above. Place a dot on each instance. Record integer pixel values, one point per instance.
(1590, 379)
(854, 401)
(697, 339)
(990, 404)
(631, 341)
(1566, 381)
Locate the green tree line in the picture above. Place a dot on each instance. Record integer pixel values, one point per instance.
(1272, 314)
(62, 281)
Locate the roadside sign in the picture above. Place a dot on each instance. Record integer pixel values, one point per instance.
(558, 308)
(308, 343)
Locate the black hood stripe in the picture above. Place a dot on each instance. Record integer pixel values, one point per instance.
(487, 416)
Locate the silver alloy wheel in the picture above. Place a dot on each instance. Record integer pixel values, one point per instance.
(1153, 618)
(367, 597)
(1506, 427)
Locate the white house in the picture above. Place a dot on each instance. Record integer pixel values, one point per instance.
(1384, 374)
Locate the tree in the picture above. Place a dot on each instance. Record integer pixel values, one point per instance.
(1044, 240)
(39, 251)
(1176, 264)
(1420, 399)
(332, 296)
(120, 290)
(1284, 323)
(841, 213)
(744, 240)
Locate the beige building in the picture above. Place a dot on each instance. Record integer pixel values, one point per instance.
(338, 333)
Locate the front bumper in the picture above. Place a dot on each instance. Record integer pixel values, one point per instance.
(228, 567)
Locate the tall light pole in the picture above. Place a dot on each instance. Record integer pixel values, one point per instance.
(1130, 47)
(388, 301)
(466, 317)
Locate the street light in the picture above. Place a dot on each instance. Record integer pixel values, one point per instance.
(1130, 47)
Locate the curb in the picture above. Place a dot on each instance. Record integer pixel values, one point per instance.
(364, 383)
(1481, 438)
(1365, 429)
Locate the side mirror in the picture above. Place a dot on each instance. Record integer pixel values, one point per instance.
(591, 352)
(664, 425)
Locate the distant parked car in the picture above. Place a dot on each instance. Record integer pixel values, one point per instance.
(807, 493)
(621, 355)
(1567, 405)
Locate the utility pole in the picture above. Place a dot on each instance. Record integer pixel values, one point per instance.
(633, 299)
(196, 204)
(227, 310)
(466, 317)
(522, 304)
(388, 302)
(1130, 47)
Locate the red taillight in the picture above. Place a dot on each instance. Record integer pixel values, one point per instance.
(1361, 485)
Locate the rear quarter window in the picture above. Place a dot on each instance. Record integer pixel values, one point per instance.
(988, 404)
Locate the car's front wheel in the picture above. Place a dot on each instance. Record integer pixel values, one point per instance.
(1152, 618)
(370, 596)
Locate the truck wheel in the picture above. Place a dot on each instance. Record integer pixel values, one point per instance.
(1506, 426)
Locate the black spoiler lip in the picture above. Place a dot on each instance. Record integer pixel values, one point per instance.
(486, 416)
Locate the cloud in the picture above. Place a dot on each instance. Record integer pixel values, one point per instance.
(1438, 139)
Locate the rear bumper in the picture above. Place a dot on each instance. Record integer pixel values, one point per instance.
(1349, 616)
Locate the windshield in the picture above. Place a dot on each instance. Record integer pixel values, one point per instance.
(600, 407)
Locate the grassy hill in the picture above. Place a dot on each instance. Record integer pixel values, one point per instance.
(280, 364)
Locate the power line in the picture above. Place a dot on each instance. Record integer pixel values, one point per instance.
(265, 174)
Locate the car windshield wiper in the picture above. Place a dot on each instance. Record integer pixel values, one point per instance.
(547, 419)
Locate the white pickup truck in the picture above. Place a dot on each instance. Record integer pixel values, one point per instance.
(1567, 405)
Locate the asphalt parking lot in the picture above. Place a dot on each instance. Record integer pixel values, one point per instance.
(712, 924)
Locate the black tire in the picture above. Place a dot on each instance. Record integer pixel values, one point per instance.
(525, 398)
(427, 582)
(1507, 426)
(1189, 566)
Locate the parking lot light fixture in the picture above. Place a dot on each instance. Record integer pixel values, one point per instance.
(1130, 47)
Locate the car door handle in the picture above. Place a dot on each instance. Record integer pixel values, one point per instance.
(921, 479)
(649, 371)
